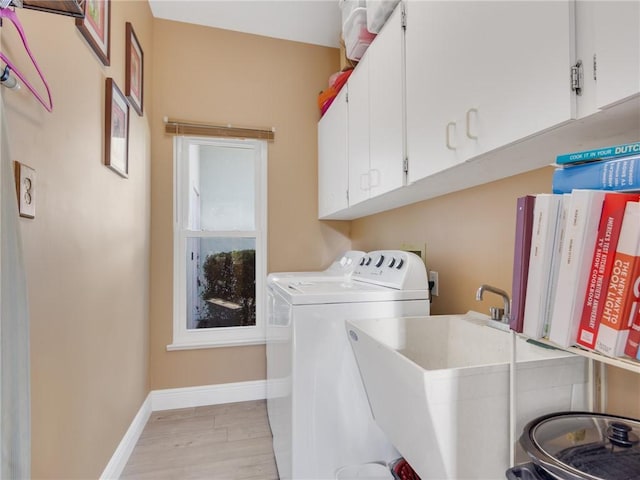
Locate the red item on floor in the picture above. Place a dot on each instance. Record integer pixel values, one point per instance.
(402, 470)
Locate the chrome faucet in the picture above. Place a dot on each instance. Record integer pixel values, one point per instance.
(499, 314)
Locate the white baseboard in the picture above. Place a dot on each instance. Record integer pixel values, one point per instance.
(120, 457)
(173, 398)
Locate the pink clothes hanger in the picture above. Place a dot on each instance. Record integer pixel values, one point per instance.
(11, 15)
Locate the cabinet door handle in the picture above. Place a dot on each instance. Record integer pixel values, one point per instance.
(450, 126)
(374, 175)
(364, 181)
(471, 111)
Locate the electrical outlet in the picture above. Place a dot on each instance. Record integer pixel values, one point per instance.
(26, 189)
(433, 277)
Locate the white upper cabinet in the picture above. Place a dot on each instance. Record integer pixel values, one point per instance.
(437, 84)
(610, 50)
(481, 75)
(358, 138)
(468, 92)
(333, 170)
(617, 51)
(386, 107)
(376, 116)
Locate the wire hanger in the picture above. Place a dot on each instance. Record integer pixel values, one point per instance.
(11, 15)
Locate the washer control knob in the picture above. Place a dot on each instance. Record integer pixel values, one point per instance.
(392, 262)
(380, 260)
(400, 263)
(368, 262)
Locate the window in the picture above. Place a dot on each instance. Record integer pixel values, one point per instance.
(219, 242)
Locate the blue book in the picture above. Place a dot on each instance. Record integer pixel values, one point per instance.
(616, 151)
(618, 174)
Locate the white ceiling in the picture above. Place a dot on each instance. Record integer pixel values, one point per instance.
(309, 21)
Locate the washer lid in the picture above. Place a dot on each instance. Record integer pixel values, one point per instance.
(584, 445)
(342, 267)
(314, 292)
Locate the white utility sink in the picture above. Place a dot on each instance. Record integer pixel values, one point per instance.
(438, 386)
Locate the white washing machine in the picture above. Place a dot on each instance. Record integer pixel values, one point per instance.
(342, 266)
(318, 410)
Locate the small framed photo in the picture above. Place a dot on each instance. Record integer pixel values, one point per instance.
(134, 74)
(116, 138)
(96, 27)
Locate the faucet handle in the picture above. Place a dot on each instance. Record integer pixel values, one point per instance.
(497, 313)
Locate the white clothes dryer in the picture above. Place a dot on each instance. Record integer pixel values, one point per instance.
(318, 409)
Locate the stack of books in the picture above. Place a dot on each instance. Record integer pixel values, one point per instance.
(614, 168)
(576, 274)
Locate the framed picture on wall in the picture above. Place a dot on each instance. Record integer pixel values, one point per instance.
(134, 74)
(96, 27)
(116, 138)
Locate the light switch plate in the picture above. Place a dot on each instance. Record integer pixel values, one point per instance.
(415, 248)
(26, 189)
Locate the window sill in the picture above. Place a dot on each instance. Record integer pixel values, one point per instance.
(214, 344)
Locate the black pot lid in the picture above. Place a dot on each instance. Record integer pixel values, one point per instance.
(584, 445)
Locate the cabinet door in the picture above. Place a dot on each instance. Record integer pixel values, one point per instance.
(617, 37)
(386, 81)
(521, 65)
(481, 75)
(358, 132)
(433, 84)
(333, 170)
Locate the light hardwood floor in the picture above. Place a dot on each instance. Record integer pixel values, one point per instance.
(219, 442)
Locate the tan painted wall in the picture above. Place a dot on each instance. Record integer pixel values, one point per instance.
(94, 353)
(469, 237)
(87, 250)
(211, 75)
(623, 393)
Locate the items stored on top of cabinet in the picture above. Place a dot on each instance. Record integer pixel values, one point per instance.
(478, 81)
(354, 28)
(336, 82)
(361, 21)
(378, 11)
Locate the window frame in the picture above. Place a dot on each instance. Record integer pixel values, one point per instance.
(184, 338)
